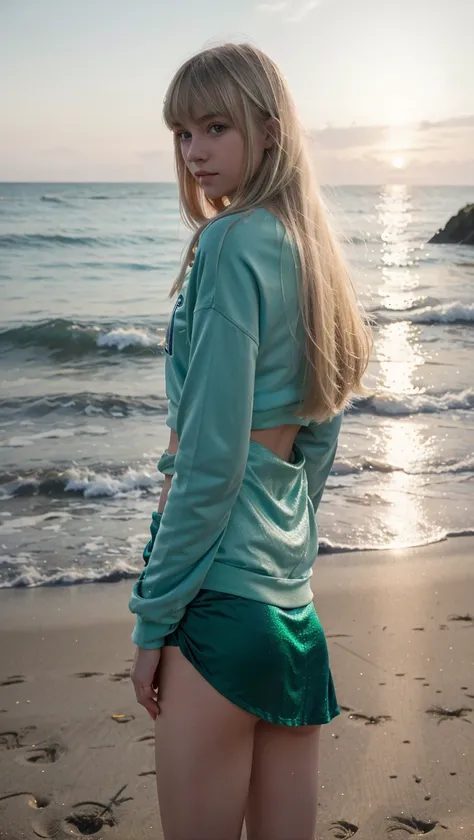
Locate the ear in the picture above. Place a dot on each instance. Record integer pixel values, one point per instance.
(271, 132)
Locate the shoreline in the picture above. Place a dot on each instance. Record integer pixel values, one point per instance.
(460, 544)
(387, 763)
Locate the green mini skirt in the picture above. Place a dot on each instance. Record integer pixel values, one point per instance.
(271, 661)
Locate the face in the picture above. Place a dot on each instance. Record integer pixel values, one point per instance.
(213, 151)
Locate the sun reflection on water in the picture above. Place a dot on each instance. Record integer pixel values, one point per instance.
(400, 358)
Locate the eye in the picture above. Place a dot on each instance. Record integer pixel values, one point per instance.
(217, 128)
(183, 135)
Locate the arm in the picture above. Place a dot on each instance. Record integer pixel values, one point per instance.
(318, 442)
(157, 514)
(213, 426)
(172, 449)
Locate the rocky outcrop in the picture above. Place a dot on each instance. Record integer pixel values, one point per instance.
(460, 228)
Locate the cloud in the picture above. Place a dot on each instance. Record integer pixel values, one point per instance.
(409, 138)
(350, 136)
(428, 147)
(364, 153)
(297, 10)
(466, 121)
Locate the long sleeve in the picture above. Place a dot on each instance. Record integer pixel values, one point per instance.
(213, 426)
(318, 442)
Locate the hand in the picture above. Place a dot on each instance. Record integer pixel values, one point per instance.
(144, 676)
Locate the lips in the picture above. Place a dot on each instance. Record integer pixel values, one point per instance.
(202, 174)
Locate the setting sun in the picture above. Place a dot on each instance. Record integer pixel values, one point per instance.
(398, 162)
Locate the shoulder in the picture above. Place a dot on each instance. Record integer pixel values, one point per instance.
(233, 264)
(241, 234)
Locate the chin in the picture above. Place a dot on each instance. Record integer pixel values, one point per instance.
(214, 194)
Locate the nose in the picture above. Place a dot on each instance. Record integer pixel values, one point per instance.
(196, 151)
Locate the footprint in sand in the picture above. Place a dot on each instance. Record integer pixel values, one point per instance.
(10, 740)
(39, 801)
(449, 714)
(87, 818)
(90, 818)
(369, 720)
(412, 825)
(84, 819)
(84, 675)
(34, 801)
(14, 740)
(15, 679)
(338, 636)
(120, 676)
(467, 617)
(47, 754)
(343, 830)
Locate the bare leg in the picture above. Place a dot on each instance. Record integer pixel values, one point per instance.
(204, 746)
(283, 793)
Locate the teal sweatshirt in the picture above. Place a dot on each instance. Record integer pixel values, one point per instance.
(238, 518)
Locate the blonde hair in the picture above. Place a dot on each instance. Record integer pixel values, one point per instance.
(242, 84)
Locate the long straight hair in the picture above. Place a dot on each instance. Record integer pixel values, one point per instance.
(242, 84)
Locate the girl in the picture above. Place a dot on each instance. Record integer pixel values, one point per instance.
(265, 344)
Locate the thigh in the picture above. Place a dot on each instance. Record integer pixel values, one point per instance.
(283, 792)
(204, 746)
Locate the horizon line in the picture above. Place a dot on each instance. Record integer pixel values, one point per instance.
(158, 183)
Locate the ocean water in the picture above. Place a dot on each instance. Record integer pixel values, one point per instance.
(85, 271)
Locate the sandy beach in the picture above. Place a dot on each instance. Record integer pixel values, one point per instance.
(76, 753)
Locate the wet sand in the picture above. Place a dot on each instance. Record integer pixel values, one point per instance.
(76, 751)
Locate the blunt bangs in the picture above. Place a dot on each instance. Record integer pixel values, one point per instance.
(200, 88)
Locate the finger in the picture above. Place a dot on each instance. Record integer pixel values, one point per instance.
(147, 697)
(145, 694)
(152, 708)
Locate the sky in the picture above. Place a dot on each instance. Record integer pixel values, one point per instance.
(384, 89)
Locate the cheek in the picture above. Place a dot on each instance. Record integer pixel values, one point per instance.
(183, 152)
(236, 154)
